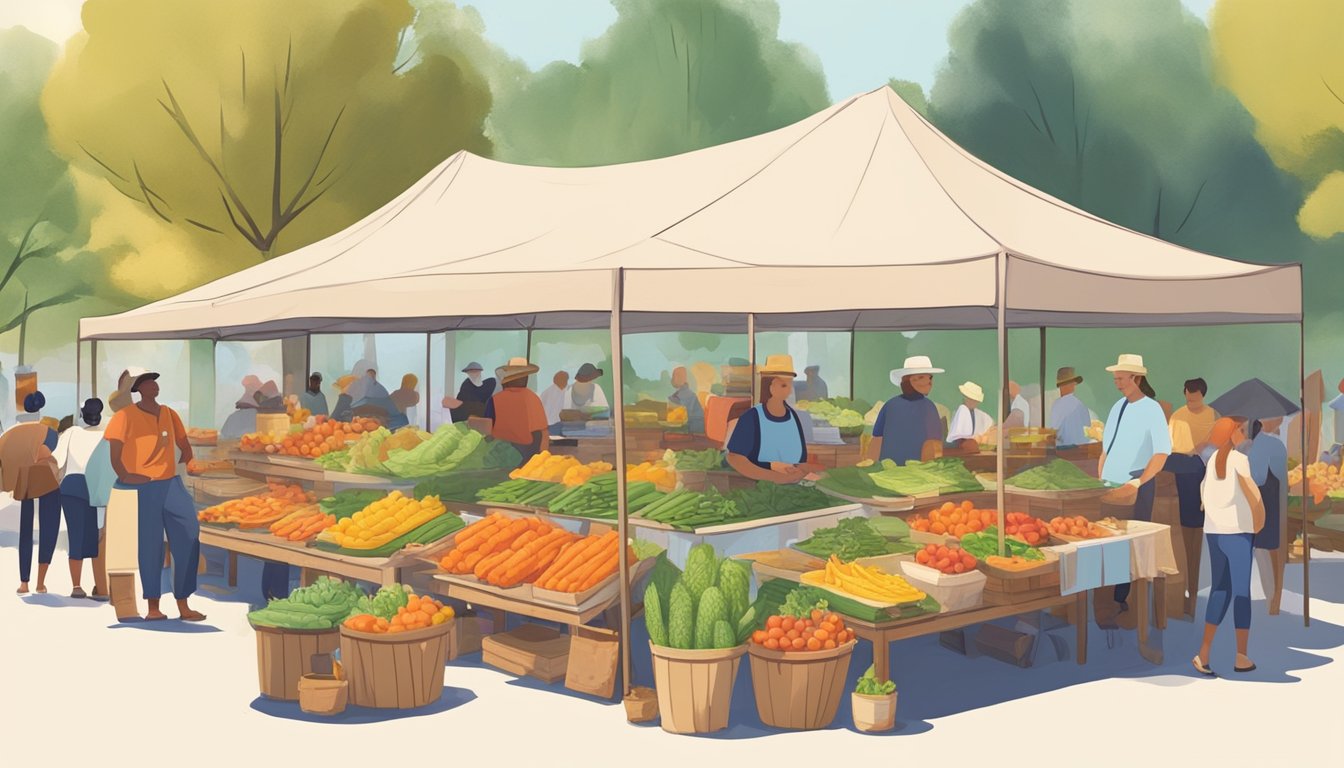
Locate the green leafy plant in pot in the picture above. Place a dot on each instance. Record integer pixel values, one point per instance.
(873, 703)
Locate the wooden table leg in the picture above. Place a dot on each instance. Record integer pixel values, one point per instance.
(233, 569)
(1144, 619)
(1080, 624)
(307, 576)
(1160, 601)
(498, 621)
(882, 657)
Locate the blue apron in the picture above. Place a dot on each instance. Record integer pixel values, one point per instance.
(780, 440)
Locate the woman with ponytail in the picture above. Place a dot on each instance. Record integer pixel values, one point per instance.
(1233, 514)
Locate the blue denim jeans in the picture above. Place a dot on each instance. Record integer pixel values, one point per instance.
(1230, 566)
(166, 508)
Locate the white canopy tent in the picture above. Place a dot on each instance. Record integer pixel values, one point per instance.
(862, 217)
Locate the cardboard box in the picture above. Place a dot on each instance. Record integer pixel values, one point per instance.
(531, 650)
(594, 655)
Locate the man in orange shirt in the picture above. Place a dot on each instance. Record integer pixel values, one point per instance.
(516, 411)
(141, 439)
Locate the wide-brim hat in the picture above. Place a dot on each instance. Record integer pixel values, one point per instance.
(587, 372)
(1129, 364)
(1067, 375)
(139, 375)
(913, 367)
(779, 365)
(344, 382)
(472, 366)
(973, 391)
(516, 368)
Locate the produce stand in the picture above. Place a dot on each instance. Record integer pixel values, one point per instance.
(313, 561)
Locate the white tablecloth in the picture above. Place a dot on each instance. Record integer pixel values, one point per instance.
(1143, 551)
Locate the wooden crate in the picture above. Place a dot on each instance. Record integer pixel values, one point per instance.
(284, 656)
(800, 691)
(403, 670)
(530, 650)
(695, 688)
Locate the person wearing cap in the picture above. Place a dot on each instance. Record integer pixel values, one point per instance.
(907, 423)
(553, 399)
(812, 387)
(1190, 428)
(84, 459)
(121, 396)
(21, 450)
(1069, 417)
(969, 422)
(516, 412)
(767, 442)
(343, 410)
(585, 392)
(311, 398)
(1134, 449)
(685, 397)
(472, 397)
(141, 440)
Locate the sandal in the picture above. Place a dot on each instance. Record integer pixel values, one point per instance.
(1244, 669)
(41, 590)
(78, 592)
(22, 590)
(1201, 669)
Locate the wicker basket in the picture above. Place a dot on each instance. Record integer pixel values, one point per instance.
(400, 670)
(800, 690)
(695, 688)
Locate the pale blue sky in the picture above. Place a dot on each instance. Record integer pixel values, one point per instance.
(861, 43)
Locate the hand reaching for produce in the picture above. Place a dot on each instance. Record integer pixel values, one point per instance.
(1125, 495)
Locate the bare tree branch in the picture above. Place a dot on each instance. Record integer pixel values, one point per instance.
(1040, 109)
(1332, 91)
(289, 60)
(23, 254)
(1193, 203)
(276, 169)
(28, 310)
(290, 212)
(105, 166)
(149, 194)
(204, 226)
(1031, 120)
(1157, 213)
(243, 55)
(408, 60)
(237, 224)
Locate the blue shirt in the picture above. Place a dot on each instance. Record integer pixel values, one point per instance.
(1069, 417)
(905, 423)
(695, 414)
(774, 439)
(1268, 454)
(1135, 433)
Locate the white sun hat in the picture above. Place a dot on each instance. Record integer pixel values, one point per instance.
(913, 367)
(973, 391)
(1129, 364)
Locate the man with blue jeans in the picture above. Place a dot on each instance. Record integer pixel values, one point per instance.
(142, 438)
(1190, 429)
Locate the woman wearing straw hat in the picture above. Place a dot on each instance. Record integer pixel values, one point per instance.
(768, 443)
(969, 422)
(909, 422)
(1134, 449)
(516, 411)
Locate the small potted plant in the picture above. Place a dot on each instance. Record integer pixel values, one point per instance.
(874, 703)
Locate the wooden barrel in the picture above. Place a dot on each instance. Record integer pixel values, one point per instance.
(695, 688)
(285, 655)
(399, 670)
(799, 689)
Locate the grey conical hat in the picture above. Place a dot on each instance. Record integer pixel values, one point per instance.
(1254, 399)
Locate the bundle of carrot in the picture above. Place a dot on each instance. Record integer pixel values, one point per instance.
(583, 564)
(504, 551)
(302, 524)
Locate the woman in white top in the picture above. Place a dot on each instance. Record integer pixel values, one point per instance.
(86, 466)
(1233, 514)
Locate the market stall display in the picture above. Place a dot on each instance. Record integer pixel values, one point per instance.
(857, 537)
(694, 461)
(291, 631)
(215, 467)
(418, 613)
(346, 503)
(460, 486)
(302, 524)
(886, 479)
(321, 605)
(399, 666)
(411, 453)
(800, 686)
(322, 438)
(1075, 528)
(836, 413)
(865, 584)
(253, 512)
(597, 498)
(582, 473)
(546, 467)
(952, 519)
(388, 524)
(521, 493)
(986, 543)
(1058, 475)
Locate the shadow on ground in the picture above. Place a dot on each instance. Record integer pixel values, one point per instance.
(451, 699)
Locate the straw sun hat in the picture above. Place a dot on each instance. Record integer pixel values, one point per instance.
(1129, 364)
(913, 367)
(779, 365)
(516, 368)
(973, 391)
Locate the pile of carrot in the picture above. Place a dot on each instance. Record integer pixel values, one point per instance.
(504, 551)
(302, 524)
(583, 564)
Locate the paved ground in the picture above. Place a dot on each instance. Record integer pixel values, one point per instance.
(78, 686)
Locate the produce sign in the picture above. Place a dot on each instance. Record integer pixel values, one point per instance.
(851, 539)
(986, 544)
(946, 475)
(318, 440)
(597, 498)
(347, 503)
(1058, 475)
(387, 525)
(418, 613)
(322, 605)
(584, 472)
(460, 486)
(705, 606)
(955, 519)
(302, 524)
(546, 467)
(1078, 526)
(867, 583)
(946, 558)
(694, 461)
(688, 509)
(258, 511)
(528, 493)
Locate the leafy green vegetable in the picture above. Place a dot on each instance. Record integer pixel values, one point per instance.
(1058, 475)
(385, 603)
(694, 461)
(869, 686)
(986, 543)
(645, 549)
(946, 475)
(801, 602)
(851, 538)
(654, 620)
(321, 605)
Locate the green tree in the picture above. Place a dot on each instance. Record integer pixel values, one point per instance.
(257, 127)
(668, 76)
(1113, 107)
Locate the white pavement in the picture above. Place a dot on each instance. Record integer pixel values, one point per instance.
(78, 688)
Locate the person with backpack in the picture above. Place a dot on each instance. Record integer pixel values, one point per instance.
(28, 472)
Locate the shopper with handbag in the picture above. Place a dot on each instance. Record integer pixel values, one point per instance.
(29, 473)
(1233, 513)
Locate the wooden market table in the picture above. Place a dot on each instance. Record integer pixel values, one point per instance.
(312, 561)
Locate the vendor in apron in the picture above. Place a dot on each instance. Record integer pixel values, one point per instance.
(767, 443)
(1269, 470)
(516, 412)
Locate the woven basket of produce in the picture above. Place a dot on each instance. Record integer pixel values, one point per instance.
(799, 690)
(695, 687)
(397, 664)
(284, 656)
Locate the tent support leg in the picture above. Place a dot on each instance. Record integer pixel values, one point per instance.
(1042, 409)
(1306, 535)
(1002, 264)
(93, 360)
(79, 352)
(527, 349)
(853, 346)
(429, 371)
(307, 359)
(751, 355)
(618, 416)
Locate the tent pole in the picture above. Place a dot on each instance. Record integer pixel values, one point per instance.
(79, 351)
(618, 416)
(307, 358)
(93, 359)
(527, 350)
(429, 346)
(1000, 460)
(751, 354)
(1306, 460)
(853, 346)
(1042, 377)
